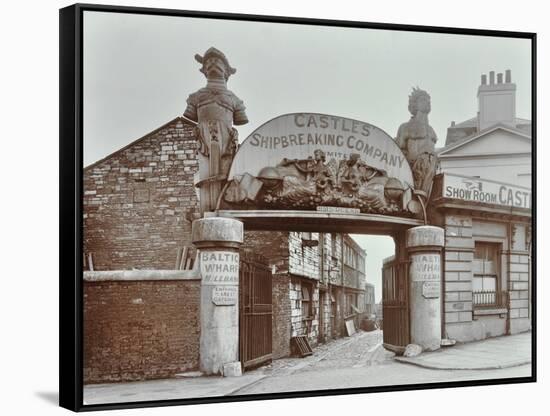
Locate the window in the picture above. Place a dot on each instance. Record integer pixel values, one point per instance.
(485, 284)
(350, 256)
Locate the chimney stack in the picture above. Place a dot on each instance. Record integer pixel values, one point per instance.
(496, 101)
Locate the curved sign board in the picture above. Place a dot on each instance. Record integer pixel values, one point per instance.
(307, 161)
(298, 135)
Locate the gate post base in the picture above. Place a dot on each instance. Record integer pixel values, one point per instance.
(218, 240)
(424, 245)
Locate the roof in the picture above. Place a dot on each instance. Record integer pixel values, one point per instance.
(467, 128)
(441, 151)
(116, 152)
(472, 122)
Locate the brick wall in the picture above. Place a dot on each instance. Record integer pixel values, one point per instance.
(136, 330)
(281, 315)
(303, 261)
(273, 245)
(139, 202)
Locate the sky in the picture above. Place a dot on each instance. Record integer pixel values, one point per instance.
(139, 70)
(378, 247)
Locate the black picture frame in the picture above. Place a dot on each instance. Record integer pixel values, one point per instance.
(71, 191)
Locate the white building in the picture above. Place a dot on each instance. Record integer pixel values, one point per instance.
(484, 199)
(494, 144)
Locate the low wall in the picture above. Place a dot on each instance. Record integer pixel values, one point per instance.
(140, 324)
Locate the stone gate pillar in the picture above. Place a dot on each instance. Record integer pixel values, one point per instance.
(218, 240)
(424, 245)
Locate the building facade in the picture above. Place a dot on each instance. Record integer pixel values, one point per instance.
(487, 257)
(483, 200)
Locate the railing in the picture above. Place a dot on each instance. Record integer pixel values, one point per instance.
(490, 299)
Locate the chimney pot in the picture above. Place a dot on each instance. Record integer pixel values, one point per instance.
(508, 76)
(452, 123)
(499, 78)
(491, 77)
(484, 79)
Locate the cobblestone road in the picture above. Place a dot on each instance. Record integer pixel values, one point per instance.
(361, 361)
(360, 350)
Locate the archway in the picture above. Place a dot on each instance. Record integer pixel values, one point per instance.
(317, 173)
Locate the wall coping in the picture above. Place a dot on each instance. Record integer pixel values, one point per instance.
(140, 275)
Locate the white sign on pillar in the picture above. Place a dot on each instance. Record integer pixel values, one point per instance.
(225, 295)
(219, 268)
(426, 268)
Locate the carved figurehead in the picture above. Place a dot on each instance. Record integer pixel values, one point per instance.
(215, 109)
(417, 139)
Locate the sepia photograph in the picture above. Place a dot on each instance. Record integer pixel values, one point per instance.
(277, 208)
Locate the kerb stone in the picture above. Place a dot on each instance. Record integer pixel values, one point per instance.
(232, 369)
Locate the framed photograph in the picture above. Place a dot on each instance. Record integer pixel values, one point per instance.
(257, 207)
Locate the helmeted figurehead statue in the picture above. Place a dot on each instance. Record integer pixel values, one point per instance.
(215, 109)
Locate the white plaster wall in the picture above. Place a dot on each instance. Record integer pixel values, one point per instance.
(511, 169)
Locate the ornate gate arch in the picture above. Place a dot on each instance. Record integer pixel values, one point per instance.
(308, 172)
